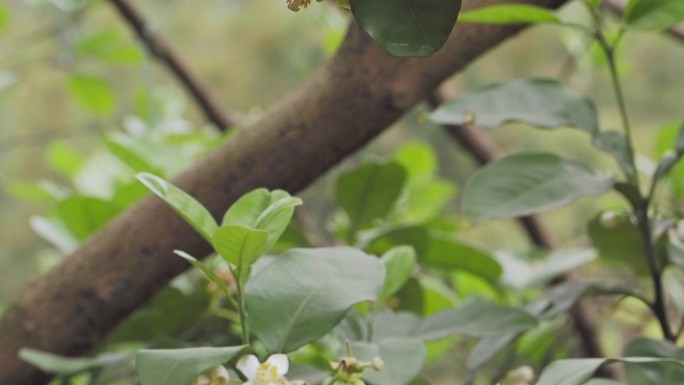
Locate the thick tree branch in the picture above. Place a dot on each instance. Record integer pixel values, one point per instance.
(483, 148)
(353, 98)
(161, 50)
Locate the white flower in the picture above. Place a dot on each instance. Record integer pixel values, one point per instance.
(271, 372)
(214, 376)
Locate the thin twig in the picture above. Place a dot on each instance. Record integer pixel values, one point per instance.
(161, 50)
(483, 148)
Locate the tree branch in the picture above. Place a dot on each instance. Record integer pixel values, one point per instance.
(353, 98)
(161, 50)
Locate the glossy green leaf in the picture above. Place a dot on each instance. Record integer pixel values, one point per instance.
(92, 93)
(578, 370)
(407, 28)
(180, 366)
(403, 359)
(528, 183)
(476, 319)
(261, 209)
(661, 373)
(538, 102)
(55, 364)
(239, 245)
(369, 192)
(560, 262)
(304, 293)
(414, 236)
(654, 14)
(399, 264)
(509, 14)
(426, 201)
(84, 215)
(185, 205)
(110, 46)
(452, 254)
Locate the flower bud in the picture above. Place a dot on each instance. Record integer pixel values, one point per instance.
(521, 376)
(609, 219)
(219, 375)
(377, 363)
(202, 379)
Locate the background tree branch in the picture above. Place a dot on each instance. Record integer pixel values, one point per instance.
(158, 47)
(353, 98)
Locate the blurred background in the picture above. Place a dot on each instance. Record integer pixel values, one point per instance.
(73, 77)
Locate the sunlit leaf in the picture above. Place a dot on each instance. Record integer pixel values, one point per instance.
(308, 291)
(540, 103)
(185, 205)
(262, 209)
(509, 14)
(180, 366)
(239, 245)
(528, 183)
(92, 93)
(407, 28)
(110, 46)
(654, 14)
(84, 215)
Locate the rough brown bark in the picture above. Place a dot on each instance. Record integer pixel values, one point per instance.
(361, 91)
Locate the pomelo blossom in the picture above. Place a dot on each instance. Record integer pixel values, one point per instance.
(271, 372)
(215, 376)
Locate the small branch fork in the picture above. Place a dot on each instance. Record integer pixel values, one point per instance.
(161, 50)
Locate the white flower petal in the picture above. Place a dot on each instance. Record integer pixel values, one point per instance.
(281, 363)
(248, 365)
(202, 379)
(219, 375)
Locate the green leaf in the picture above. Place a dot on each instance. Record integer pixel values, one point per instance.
(32, 192)
(110, 46)
(304, 293)
(4, 18)
(654, 14)
(121, 147)
(369, 192)
(578, 370)
(180, 366)
(239, 245)
(261, 209)
(528, 183)
(509, 14)
(185, 205)
(560, 262)
(83, 215)
(615, 144)
(403, 360)
(426, 201)
(414, 236)
(540, 103)
(399, 264)
(661, 373)
(618, 240)
(64, 159)
(679, 143)
(410, 27)
(446, 253)
(92, 93)
(476, 319)
(205, 269)
(54, 364)
(419, 161)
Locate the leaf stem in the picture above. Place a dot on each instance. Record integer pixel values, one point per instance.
(242, 310)
(609, 51)
(658, 306)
